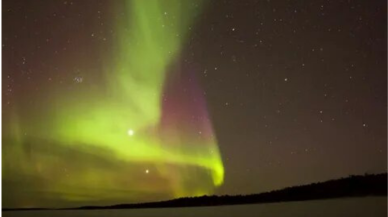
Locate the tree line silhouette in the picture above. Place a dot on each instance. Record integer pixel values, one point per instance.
(352, 186)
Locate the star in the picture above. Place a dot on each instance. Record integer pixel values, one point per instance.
(78, 79)
(131, 132)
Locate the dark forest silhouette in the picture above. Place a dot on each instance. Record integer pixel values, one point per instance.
(352, 186)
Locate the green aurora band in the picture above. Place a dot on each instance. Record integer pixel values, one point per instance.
(121, 141)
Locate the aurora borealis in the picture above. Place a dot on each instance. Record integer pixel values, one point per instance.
(137, 123)
(126, 101)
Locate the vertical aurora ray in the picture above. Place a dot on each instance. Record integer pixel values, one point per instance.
(144, 134)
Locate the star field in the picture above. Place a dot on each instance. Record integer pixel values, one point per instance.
(296, 91)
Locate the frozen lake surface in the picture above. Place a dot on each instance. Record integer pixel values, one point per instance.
(368, 206)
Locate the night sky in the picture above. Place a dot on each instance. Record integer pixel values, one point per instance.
(108, 102)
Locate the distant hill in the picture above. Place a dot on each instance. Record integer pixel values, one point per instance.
(352, 186)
